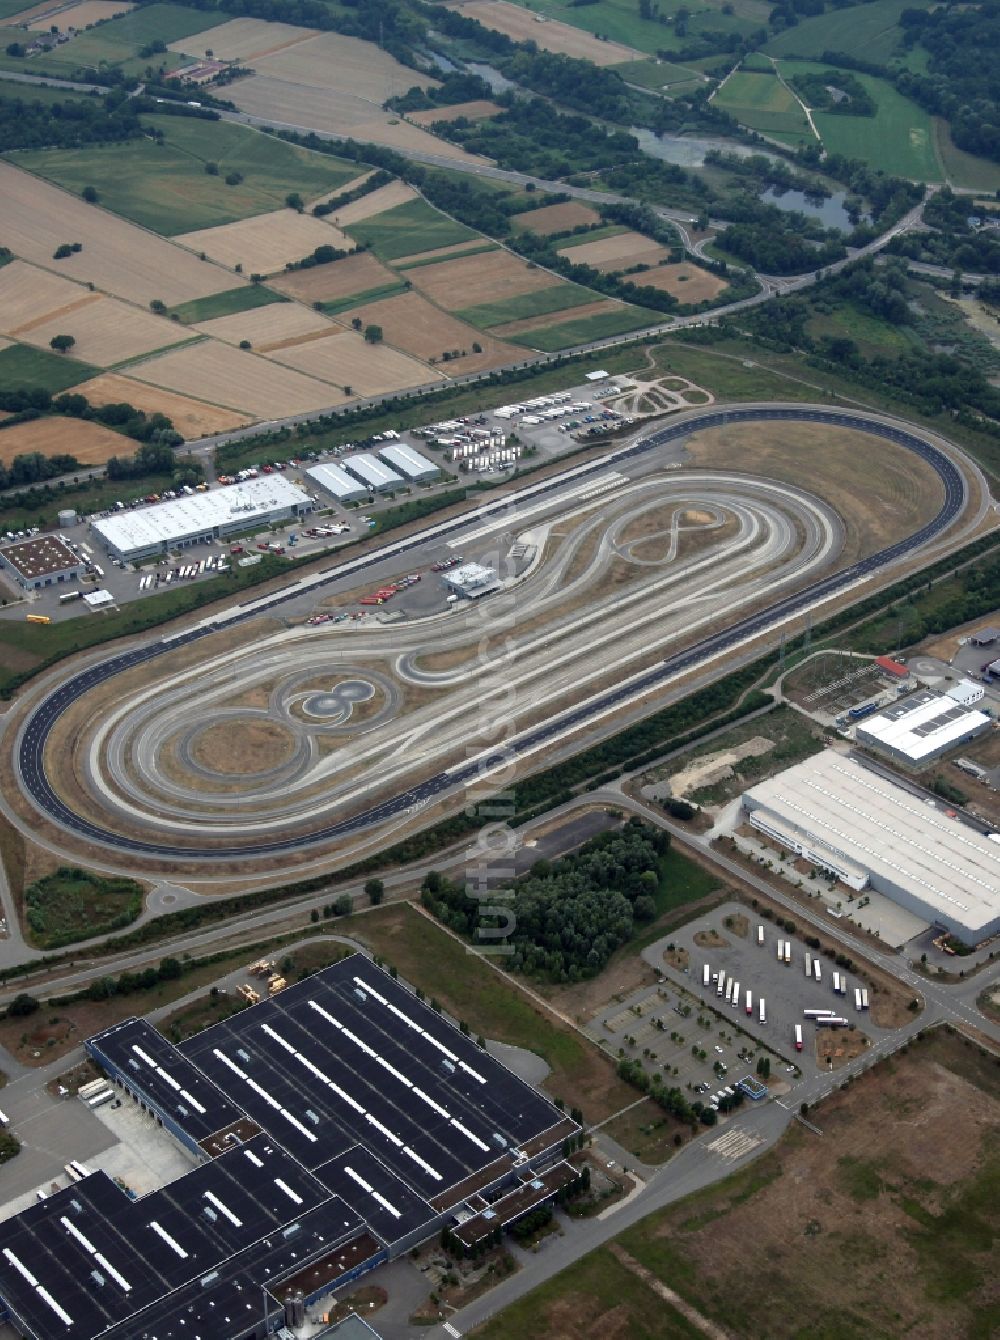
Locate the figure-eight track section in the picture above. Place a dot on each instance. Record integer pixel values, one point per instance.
(33, 735)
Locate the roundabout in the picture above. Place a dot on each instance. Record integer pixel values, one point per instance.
(312, 742)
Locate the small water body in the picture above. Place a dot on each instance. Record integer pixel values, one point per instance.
(497, 82)
(828, 210)
(445, 65)
(690, 151)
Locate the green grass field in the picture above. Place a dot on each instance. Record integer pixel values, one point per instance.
(539, 303)
(9, 7)
(869, 31)
(118, 42)
(762, 102)
(436, 260)
(620, 21)
(407, 229)
(962, 169)
(594, 235)
(11, 88)
(74, 904)
(660, 76)
(899, 139)
(870, 334)
(21, 365)
(230, 302)
(165, 187)
(360, 299)
(586, 328)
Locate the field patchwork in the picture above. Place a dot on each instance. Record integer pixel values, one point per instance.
(346, 359)
(191, 418)
(90, 443)
(80, 16)
(358, 273)
(266, 243)
(411, 323)
(29, 295)
(23, 366)
(570, 333)
(609, 254)
(241, 40)
(471, 281)
(117, 257)
(376, 202)
(762, 102)
(524, 26)
(410, 228)
(538, 302)
(477, 110)
(556, 218)
(686, 282)
(267, 327)
(106, 331)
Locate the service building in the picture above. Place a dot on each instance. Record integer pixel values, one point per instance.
(330, 1129)
(874, 833)
(402, 457)
(42, 561)
(337, 482)
(372, 472)
(472, 580)
(230, 510)
(923, 727)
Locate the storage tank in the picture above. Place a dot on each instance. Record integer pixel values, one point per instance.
(67, 517)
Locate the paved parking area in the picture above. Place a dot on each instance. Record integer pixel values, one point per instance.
(51, 1131)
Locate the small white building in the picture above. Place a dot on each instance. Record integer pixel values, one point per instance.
(410, 463)
(967, 692)
(372, 472)
(332, 479)
(44, 560)
(472, 580)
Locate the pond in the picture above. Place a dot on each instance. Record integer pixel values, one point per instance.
(690, 151)
(829, 210)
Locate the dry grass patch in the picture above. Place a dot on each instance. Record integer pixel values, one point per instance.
(356, 68)
(616, 253)
(107, 331)
(357, 273)
(556, 218)
(688, 283)
(346, 360)
(239, 379)
(91, 443)
(191, 418)
(243, 39)
(80, 16)
(529, 323)
(900, 494)
(476, 110)
(416, 326)
(266, 327)
(243, 746)
(522, 25)
(29, 295)
(117, 258)
(386, 197)
(470, 281)
(266, 242)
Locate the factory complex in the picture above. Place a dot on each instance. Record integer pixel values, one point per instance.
(925, 726)
(184, 521)
(874, 833)
(330, 1129)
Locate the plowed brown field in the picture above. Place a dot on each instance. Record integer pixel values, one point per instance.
(267, 242)
(468, 281)
(556, 218)
(340, 279)
(413, 324)
(191, 418)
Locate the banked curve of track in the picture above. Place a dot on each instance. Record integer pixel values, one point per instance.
(32, 738)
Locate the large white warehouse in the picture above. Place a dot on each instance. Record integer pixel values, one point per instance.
(371, 471)
(918, 729)
(344, 487)
(410, 463)
(201, 516)
(871, 832)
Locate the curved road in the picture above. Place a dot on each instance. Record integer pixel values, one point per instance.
(31, 742)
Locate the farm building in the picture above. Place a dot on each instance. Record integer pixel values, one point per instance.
(409, 463)
(333, 480)
(330, 1129)
(44, 560)
(922, 727)
(472, 580)
(201, 516)
(874, 833)
(372, 472)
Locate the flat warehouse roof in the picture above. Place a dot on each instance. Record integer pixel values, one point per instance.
(371, 470)
(336, 481)
(887, 830)
(410, 462)
(921, 725)
(199, 513)
(40, 556)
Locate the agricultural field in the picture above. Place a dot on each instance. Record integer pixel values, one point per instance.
(467, 248)
(899, 138)
(117, 257)
(225, 303)
(522, 25)
(268, 327)
(21, 365)
(762, 102)
(964, 170)
(106, 331)
(191, 418)
(46, 94)
(355, 274)
(409, 229)
(568, 334)
(91, 443)
(266, 243)
(242, 40)
(345, 359)
(236, 379)
(556, 218)
(166, 188)
(29, 295)
(870, 32)
(531, 324)
(661, 76)
(885, 1226)
(411, 323)
(683, 281)
(618, 252)
(80, 16)
(538, 302)
(376, 202)
(17, 11)
(471, 281)
(118, 42)
(477, 110)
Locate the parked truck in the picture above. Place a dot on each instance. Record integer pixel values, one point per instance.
(706, 975)
(760, 935)
(749, 1001)
(798, 1037)
(762, 1012)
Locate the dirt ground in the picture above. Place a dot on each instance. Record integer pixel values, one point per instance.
(191, 418)
(834, 1048)
(265, 243)
(416, 326)
(477, 110)
(243, 746)
(617, 253)
(267, 327)
(344, 359)
(563, 38)
(900, 491)
(688, 283)
(556, 218)
(710, 939)
(468, 281)
(356, 273)
(91, 443)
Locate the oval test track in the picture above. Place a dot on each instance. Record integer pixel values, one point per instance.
(35, 731)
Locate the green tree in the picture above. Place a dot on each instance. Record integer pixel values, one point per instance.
(89, 194)
(373, 334)
(375, 890)
(62, 343)
(22, 1005)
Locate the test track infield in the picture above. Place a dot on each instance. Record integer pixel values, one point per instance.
(31, 741)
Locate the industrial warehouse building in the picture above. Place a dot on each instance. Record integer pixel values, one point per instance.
(43, 561)
(923, 727)
(372, 472)
(410, 463)
(201, 516)
(873, 833)
(342, 486)
(331, 1128)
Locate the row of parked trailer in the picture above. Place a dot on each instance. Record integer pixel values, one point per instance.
(728, 988)
(183, 572)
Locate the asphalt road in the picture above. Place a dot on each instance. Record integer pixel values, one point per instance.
(30, 747)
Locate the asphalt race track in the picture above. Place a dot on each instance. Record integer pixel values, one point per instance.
(31, 742)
